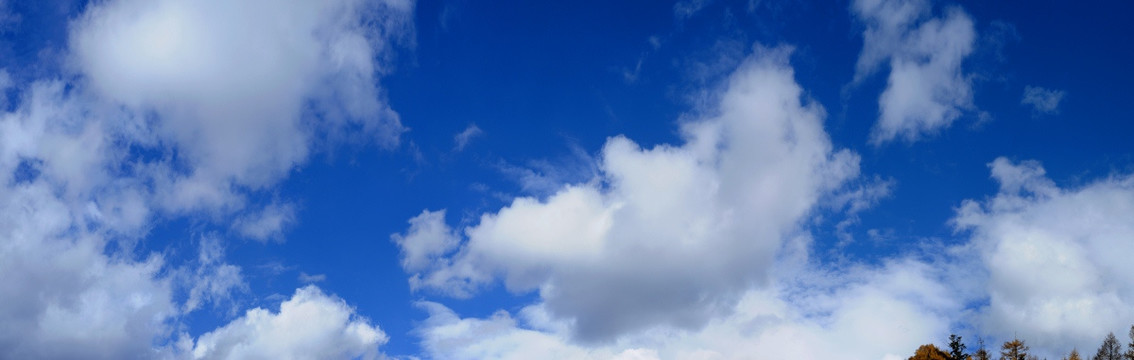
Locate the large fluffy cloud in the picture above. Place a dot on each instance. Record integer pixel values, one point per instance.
(862, 313)
(240, 88)
(63, 296)
(173, 108)
(1045, 263)
(927, 89)
(310, 325)
(670, 235)
(1057, 259)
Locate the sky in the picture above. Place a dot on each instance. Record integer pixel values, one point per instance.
(453, 179)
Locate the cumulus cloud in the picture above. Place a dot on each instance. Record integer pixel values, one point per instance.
(63, 296)
(1042, 101)
(310, 325)
(240, 88)
(1058, 272)
(171, 108)
(73, 286)
(863, 313)
(927, 88)
(428, 238)
(1038, 261)
(669, 235)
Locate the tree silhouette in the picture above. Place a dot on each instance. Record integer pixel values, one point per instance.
(956, 348)
(1014, 350)
(1110, 349)
(981, 353)
(1130, 346)
(1017, 349)
(1074, 355)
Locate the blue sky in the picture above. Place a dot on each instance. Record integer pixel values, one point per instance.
(516, 179)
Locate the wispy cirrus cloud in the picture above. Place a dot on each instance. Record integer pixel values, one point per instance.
(463, 138)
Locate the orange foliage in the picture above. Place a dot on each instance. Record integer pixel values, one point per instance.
(1073, 356)
(929, 352)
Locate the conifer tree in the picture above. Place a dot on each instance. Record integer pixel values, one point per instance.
(956, 348)
(981, 353)
(1074, 355)
(1110, 349)
(1014, 350)
(1130, 346)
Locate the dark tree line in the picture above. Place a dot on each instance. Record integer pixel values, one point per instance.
(1017, 349)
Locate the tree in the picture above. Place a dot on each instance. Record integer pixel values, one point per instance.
(1074, 355)
(981, 353)
(956, 348)
(1014, 350)
(1130, 346)
(929, 352)
(1110, 349)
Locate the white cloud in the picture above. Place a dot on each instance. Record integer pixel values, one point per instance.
(462, 139)
(864, 195)
(927, 89)
(5, 77)
(864, 313)
(310, 325)
(267, 223)
(855, 199)
(427, 238)
(179, 108)
(544, 177)
(1043, 101)
(1058, 270)
(60, 136)
(213, 280)
(685, 9)
(241, 87)
(311, 279)
(631, 75)
(672, 235)
(63, 296)
(69, 293)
